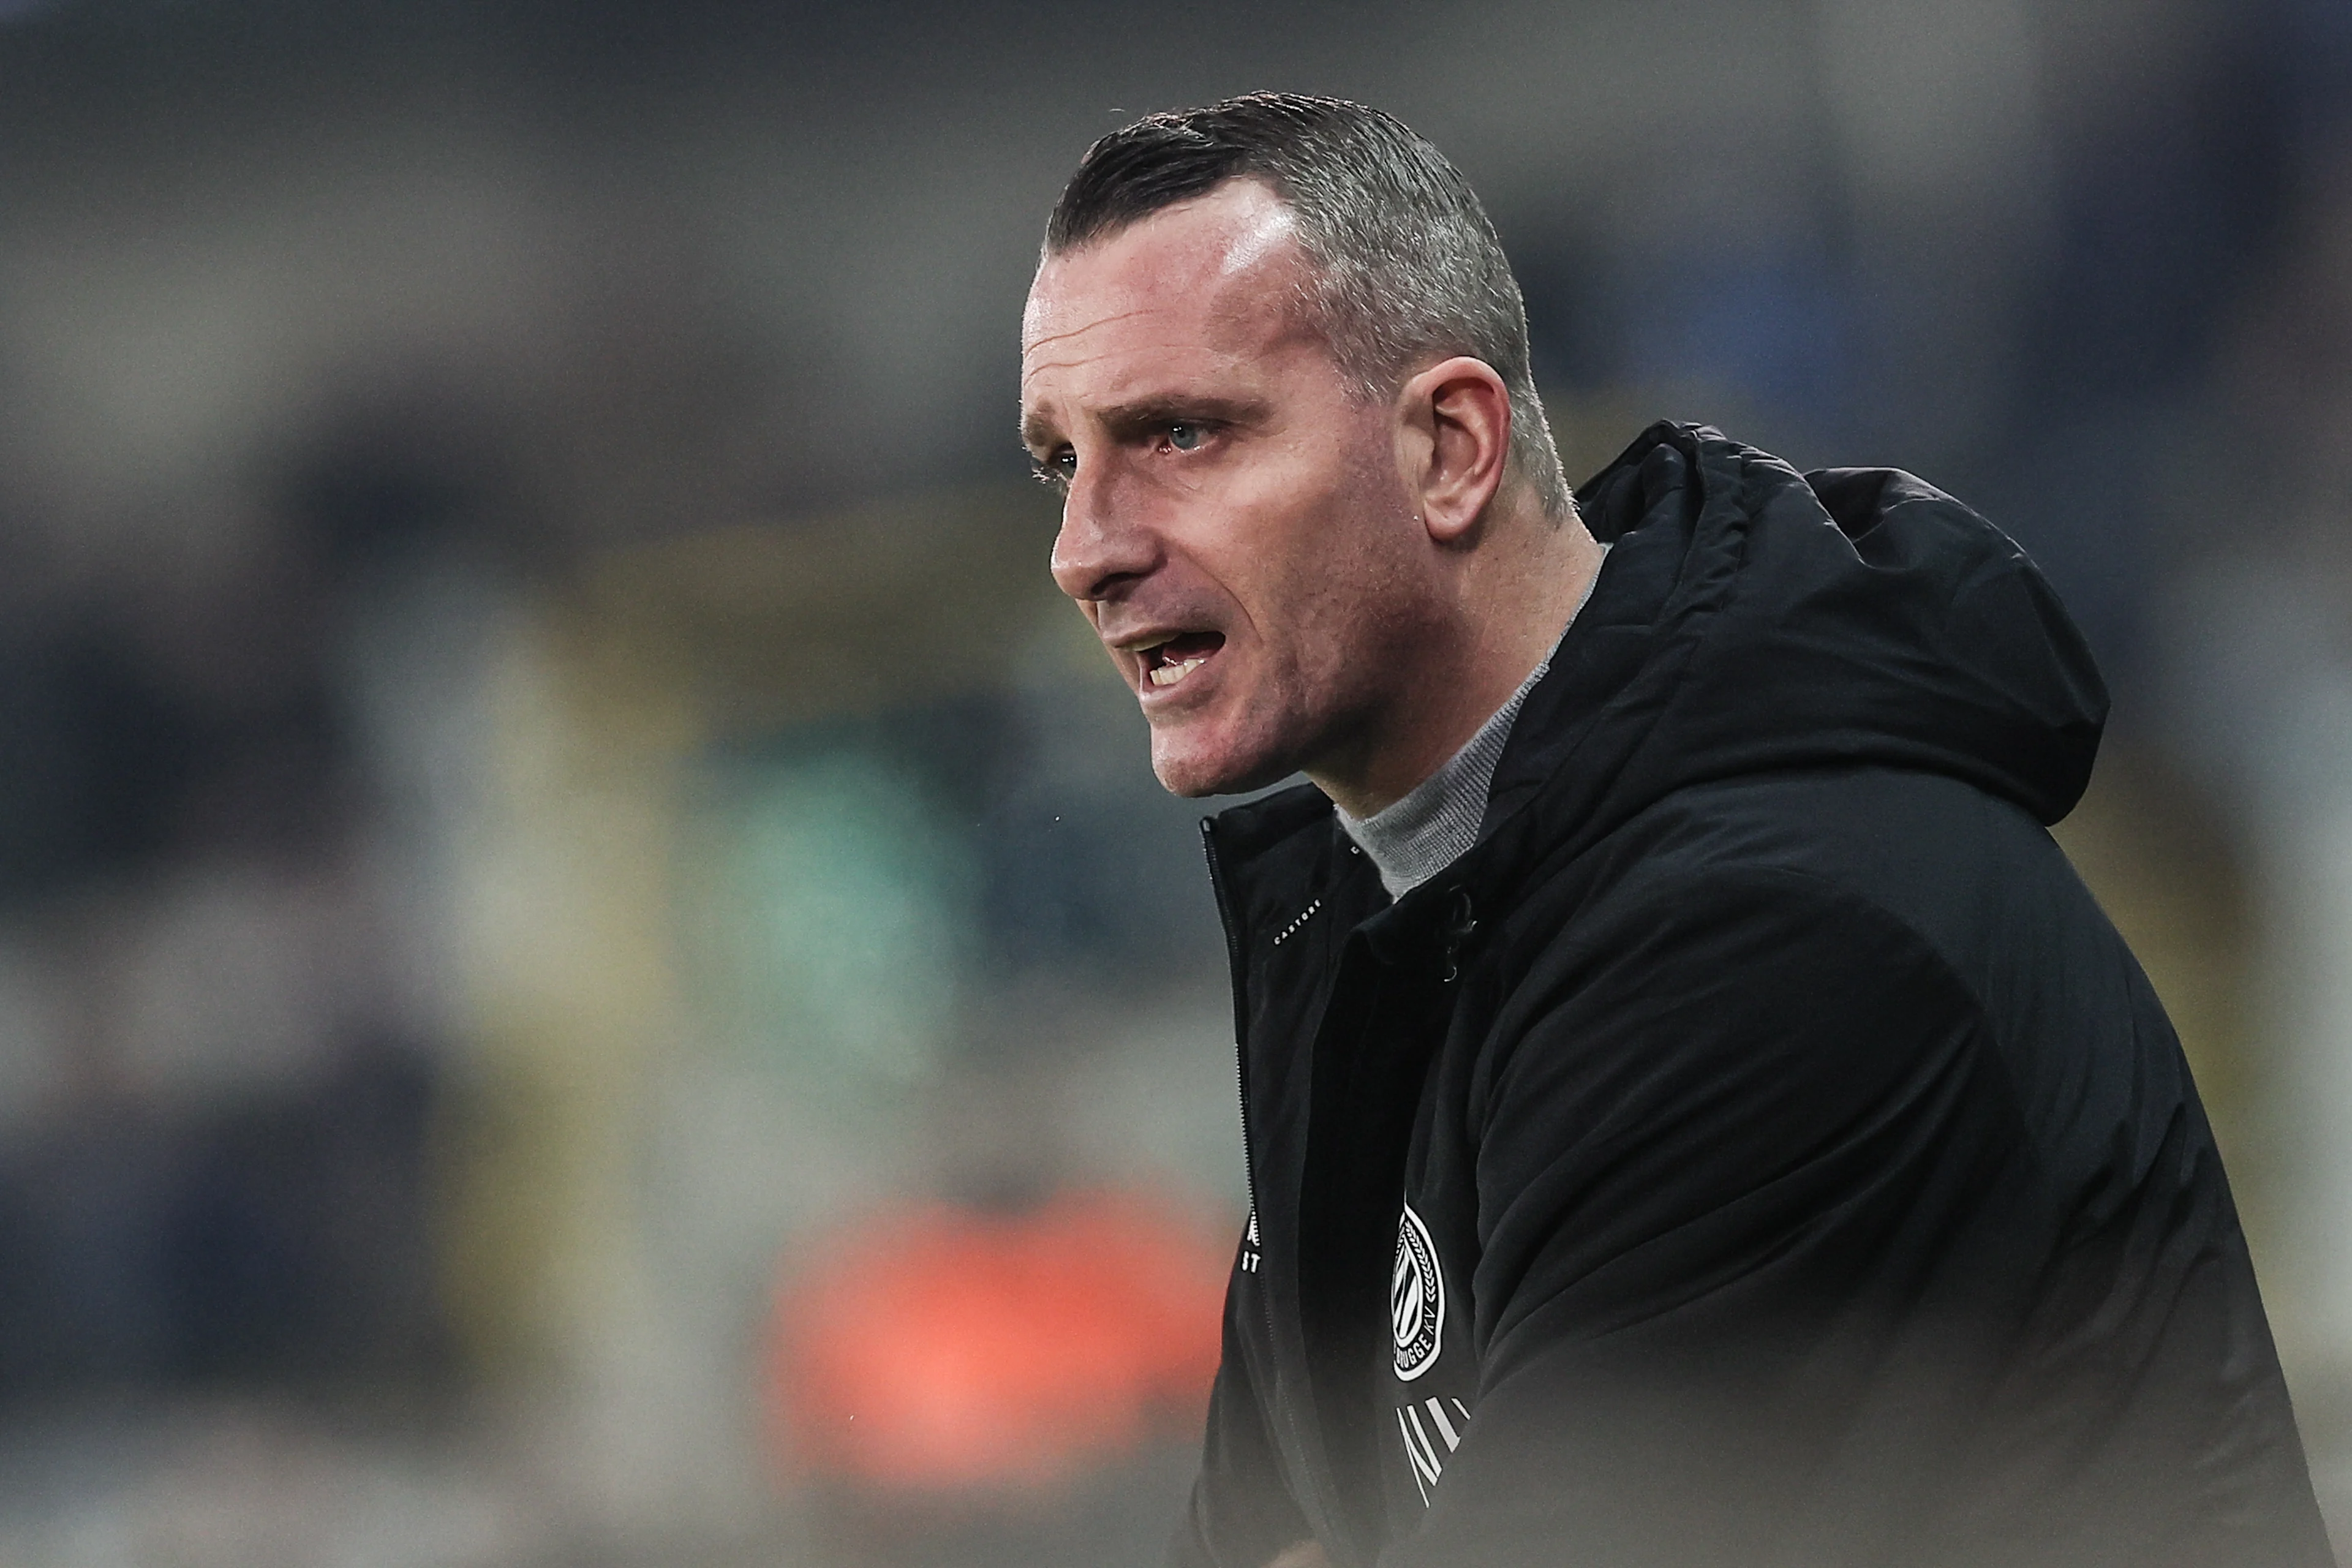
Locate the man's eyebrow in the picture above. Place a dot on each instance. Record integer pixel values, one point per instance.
(1036, 432)
(1147, 414)
(1126, 421)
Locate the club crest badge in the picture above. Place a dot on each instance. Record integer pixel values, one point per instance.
(1416, 1299)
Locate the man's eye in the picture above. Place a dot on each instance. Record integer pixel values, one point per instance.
(1055, 470)
(1184, 437)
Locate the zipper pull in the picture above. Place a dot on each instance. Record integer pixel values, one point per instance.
(1461, 921)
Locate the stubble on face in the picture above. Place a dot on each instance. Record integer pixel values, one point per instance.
(1234, 523)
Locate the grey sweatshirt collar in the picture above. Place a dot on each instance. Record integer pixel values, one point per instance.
(1414, 838)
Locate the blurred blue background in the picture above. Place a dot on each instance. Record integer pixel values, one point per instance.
(547, 800)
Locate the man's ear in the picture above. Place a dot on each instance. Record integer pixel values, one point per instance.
(1456, 444)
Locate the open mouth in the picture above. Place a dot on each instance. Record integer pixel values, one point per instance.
(1166, 664)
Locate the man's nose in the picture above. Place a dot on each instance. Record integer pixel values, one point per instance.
(1102, 546)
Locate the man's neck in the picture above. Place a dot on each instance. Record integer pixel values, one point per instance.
(1516, 603)
(1416, 837)
(1437, 822)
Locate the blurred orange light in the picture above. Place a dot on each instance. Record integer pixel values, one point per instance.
(943, 1350)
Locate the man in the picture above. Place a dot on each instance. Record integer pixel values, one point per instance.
(1694, 1115)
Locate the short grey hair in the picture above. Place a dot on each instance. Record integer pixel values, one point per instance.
(1407, 266)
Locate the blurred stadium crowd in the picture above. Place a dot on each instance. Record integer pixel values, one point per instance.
(575, 912)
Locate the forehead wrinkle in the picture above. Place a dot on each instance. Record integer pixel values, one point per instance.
(1236, 297)
(1033, 344)
(1212, 263)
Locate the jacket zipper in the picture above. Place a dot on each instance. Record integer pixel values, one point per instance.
(1237, 960)
(1234, 960)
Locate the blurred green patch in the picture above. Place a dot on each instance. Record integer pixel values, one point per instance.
(830, 918)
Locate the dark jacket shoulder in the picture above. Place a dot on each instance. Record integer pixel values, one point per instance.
(1758, 1148)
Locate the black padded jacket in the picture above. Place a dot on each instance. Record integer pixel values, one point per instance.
(1759, 1148)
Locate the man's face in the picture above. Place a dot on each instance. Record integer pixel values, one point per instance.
(1235, 525)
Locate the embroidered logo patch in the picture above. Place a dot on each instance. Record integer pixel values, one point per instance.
(1416, 1298)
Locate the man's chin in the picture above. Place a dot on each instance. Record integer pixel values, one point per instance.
(1194, 771)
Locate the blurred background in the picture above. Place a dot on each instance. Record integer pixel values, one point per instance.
(574, 911)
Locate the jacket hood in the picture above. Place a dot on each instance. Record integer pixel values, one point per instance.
(1749, 620)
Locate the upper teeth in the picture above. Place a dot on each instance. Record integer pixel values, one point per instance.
(1170, 674)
